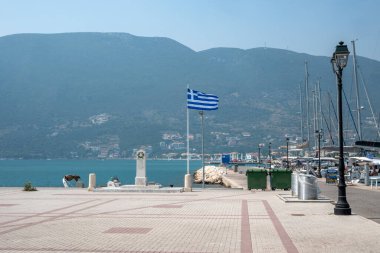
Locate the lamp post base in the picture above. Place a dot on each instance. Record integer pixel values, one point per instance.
(342, 211)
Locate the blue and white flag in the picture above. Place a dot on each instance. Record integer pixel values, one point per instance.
(201, 101)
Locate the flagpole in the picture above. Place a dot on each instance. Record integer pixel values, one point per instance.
(201, 101)
(188, 144)
(203, 155)
(188, 179)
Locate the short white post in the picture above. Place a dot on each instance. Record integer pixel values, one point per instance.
(91, 181)
(269, 185)
(366, 176)
(188, 183)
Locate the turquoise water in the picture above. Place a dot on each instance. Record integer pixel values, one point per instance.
(49, 173)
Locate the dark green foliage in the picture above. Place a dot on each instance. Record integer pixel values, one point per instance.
(28, 187)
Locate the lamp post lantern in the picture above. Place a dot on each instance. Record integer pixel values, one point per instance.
(338, 62)
(287, 153)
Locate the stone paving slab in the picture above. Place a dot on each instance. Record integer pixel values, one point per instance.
(140, 189)
(289, 198)
(239, 221)
(235, 180)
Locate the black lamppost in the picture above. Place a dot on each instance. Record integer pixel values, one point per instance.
(259, 147)
(259, 153)
(287, 153)
(338, 62)
(270, 156)
(319, 134)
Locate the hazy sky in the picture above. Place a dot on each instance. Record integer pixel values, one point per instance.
(308, 26)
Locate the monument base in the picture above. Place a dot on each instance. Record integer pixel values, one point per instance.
(140, 188)
(140, 181)
(131, 186)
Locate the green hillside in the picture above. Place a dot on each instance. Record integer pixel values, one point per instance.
(81, 94)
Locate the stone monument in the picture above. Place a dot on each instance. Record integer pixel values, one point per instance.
(141, 182)
(140, 179)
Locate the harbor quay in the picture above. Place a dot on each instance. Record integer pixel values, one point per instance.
(52, 220)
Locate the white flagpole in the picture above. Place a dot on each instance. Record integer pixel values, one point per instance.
(188, 179)
(203, 153)
(188, 145)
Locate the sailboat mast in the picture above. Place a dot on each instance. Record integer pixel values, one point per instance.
(314, 101)
(336, 116)
(320, 106)
(359, 120)
(370, 105)
(307, 103)
(301, 112)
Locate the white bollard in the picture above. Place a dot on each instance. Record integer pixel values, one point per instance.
(366, 175)
(269, 185)
(91, 181)
(188, 183)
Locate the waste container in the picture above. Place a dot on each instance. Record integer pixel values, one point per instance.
(281, 179)
(307, 187)
(295, 184)
(256, 179)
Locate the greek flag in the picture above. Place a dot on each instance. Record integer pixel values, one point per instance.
(201, 101)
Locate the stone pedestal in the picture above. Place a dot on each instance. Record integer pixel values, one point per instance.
(91, 181)
(188, 183)
(140, 179)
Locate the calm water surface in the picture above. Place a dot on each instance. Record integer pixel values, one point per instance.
(49, 173)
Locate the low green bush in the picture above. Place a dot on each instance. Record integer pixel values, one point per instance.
(28, 187)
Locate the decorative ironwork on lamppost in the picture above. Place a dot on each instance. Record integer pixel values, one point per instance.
(339, 61)
(287, 153)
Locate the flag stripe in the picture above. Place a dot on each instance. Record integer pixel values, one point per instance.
(202, 98)
(209, 96)
(203, 108)
(201, 101)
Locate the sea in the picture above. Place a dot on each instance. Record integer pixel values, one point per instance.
(49, 173)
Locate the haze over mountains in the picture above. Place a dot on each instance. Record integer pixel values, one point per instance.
(105, 94)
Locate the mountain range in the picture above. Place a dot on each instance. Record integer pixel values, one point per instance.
(86, 95)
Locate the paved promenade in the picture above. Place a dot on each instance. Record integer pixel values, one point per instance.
(75, 220)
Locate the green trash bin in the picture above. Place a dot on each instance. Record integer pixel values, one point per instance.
(256, 179)
(281, 179)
